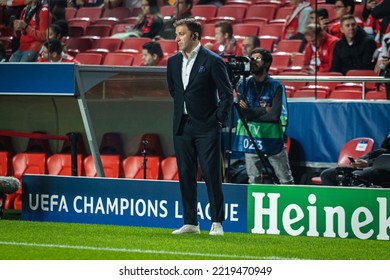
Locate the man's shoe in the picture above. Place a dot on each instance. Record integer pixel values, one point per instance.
(216, 229)
(187, 229)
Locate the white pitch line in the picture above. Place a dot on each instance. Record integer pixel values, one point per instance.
(124, 250)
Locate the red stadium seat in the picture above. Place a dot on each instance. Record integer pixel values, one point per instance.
(117, 12)
(282, 13)
(93, 13)
(28, 163)
(61, 164)
(80, 22)
(312, 91)
(260, 11)
(354, 148)
(118, 59)
(206, 11)
(134, 43)
(281, 61)
(89, 58)
(107, 20)
(369, 85)
(267, 42)
(272, 29)
(100, 30)
(25, 163)
(376, 95)
(79, 44)
(245, 29)
(236, 12)
(169, 169)
(345, 94)
(70, 12)
(133, 167)
(331, 85)
(169, 47)
(290, 46)
(167, 10)
(111, 44)
(111, 166)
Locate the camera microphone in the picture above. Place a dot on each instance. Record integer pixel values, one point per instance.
(9, 184)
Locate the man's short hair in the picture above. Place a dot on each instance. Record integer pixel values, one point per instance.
(266, 55)
(153, 48)
(192, 24)
(346, 17)
(226, 27)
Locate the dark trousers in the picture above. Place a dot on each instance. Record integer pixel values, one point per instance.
(191, 145)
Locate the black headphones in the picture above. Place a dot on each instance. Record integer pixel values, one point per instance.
(193, 36)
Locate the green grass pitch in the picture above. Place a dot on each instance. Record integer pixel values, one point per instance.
(22, 240)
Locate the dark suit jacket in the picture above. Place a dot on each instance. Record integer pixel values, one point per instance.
(205, 108)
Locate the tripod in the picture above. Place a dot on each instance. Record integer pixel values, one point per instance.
(143, 153)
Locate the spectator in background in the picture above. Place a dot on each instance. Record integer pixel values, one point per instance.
(319, 50)
(152, 54)
(297, 21)
(354, 50)
(150, 21)
(182, 10)
(321, 17)
(52, 52)
(225, 41)
(31, 30)
(148, 24)
(371, 24)
(109, 4)
(249, 43)
(58, 30)
(382, 12)
(342, 8)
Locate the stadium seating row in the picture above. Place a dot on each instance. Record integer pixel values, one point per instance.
(113, 51)
(131, 167)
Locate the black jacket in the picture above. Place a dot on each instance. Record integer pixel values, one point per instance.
(358, 56)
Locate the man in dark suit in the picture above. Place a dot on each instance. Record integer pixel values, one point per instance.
(199, 83)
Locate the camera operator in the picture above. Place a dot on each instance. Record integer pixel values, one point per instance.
(264, 101)
(361, 168)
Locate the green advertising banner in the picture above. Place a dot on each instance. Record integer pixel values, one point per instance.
(345, 212)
